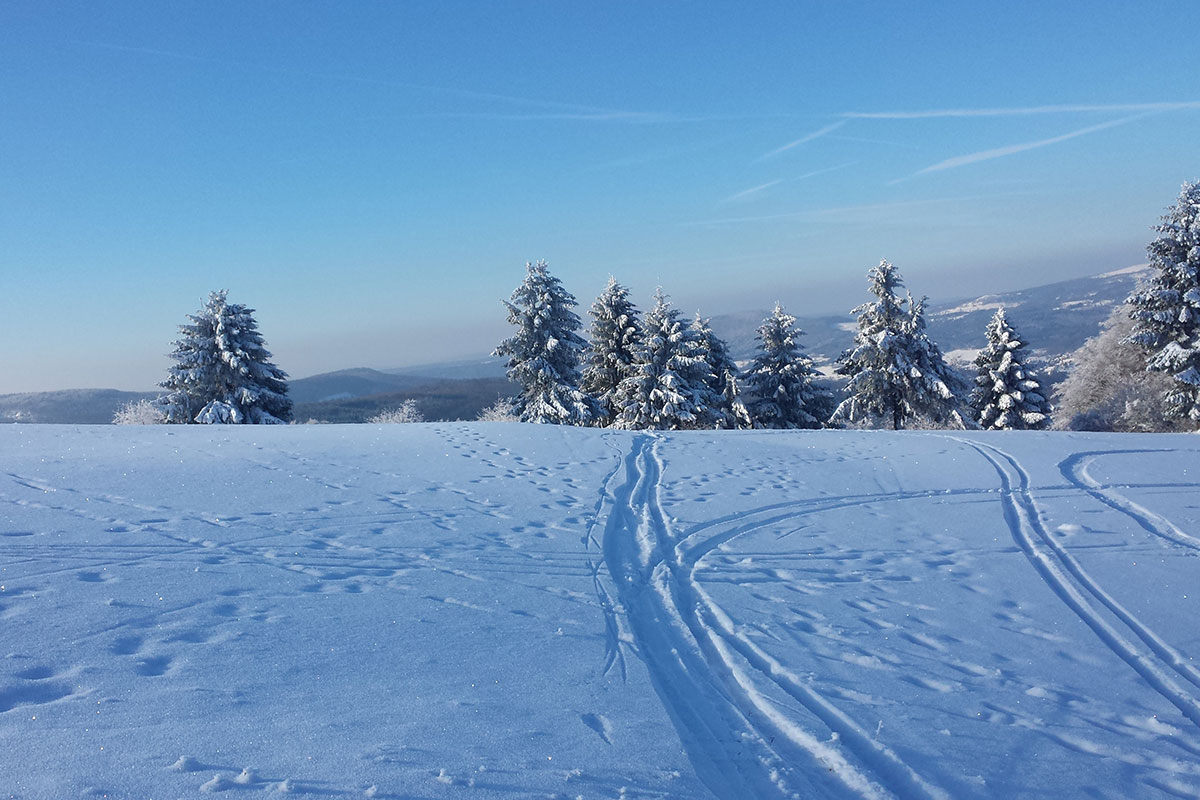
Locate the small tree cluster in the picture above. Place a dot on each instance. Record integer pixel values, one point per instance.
(657, 372)
(223, 372)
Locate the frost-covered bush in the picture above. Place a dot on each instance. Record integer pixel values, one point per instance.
(139, 412)
(1109, 388)
(406, 412)
(503, 410)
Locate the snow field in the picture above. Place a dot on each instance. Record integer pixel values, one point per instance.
(506, 610)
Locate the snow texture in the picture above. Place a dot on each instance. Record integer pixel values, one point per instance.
(505, 610)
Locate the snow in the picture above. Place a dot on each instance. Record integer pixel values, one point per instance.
(492, 610)
(1130, 270)
(975, 305)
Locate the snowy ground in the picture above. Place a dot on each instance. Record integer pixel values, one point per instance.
(491, 610)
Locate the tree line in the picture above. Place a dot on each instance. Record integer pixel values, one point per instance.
(661, 372)
(658, 371)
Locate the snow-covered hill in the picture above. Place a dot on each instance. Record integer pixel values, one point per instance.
(501, 611)
(1056, 319)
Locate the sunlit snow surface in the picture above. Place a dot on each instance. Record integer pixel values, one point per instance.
(500, 610)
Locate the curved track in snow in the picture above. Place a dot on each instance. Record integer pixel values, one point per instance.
(714, 681)
(1159, 664)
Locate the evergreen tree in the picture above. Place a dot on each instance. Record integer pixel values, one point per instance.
(669, 386)
(1166, 309)
(1007, 395)
(223, 372)
(781, 378)
(896, 371)
(545, 351)
(616, 330)
(725, 408)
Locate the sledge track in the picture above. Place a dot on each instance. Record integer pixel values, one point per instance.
(1067, 579)
(711, 678)
(1075, 469)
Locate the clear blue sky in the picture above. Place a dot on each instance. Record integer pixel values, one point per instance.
(372, 176)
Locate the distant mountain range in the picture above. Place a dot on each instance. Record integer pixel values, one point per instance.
(1055, 320)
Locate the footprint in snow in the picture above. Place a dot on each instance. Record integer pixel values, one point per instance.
(600, 724)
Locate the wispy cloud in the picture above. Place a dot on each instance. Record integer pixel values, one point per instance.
(546, 109)
(733, 198)
(855, 212)
(817, 134)
(1000, 152)
(753, 190)
(1021, 110)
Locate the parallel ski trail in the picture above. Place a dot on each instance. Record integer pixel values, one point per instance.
(1075, 470)
(1066, 578)
(710, 674)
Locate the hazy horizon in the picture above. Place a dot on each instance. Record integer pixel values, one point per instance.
(359, 173)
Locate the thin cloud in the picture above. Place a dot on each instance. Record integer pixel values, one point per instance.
(804, 139)
(819, 213)
(753, 190)
(550, 109)
(1000, 152)
(1021, 111)
(733, 198)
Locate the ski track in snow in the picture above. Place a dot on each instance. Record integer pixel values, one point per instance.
(764, 704)
(1067, 578)
(655, 575)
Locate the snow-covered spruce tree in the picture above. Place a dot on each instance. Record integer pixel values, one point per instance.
(781, 379)
(895, 370)
(1007, 395)
(544, 353)
(1166, 308)
(669, 386)
(223, 372)
(1109, 387)
(725, 407)
(608, 359)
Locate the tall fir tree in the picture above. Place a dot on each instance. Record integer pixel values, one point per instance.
(895, 370)
(544, 353)
(223, 371)
(781, 379)
(1007, 394)
(608, 359)
(669, 386)
(1166, 309)
(725, 407)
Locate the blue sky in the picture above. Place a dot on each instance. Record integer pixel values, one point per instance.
(372, 176)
